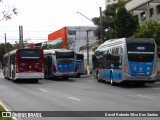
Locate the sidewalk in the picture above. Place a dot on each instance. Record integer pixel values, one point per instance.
(87, 76)
(1, 72)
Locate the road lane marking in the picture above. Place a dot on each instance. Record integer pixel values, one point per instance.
(43, 90)
(146, 96)
(74, 99)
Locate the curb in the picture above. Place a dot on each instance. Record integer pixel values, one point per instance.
(7, 108)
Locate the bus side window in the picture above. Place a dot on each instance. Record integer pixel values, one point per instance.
(101, 62)
(108, 60)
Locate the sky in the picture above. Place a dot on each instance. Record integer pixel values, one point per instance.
(42, 17)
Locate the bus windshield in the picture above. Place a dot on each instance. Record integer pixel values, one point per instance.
(140, 52)
(30, 54)
(80, 57)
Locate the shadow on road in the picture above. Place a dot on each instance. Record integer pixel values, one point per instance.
(132, 85)
(26, 82)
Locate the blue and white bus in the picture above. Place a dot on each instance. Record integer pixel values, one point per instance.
(80, 64)
(59, 63)
(126, 59)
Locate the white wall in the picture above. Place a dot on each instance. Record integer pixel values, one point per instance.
(80, 39)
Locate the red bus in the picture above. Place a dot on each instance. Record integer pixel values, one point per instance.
(24, 63)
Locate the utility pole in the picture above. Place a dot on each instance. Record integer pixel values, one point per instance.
(101, 25)
(88, 69)
(21, 36)
(5, 42)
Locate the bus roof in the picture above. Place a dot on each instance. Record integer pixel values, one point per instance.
(14, 51)
(113, 42)
(58, 50)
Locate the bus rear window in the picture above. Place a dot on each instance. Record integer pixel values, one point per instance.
(80, 57)
(29, 54)
(65, 54)
(140, 52)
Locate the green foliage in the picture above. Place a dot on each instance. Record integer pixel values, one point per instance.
(125, 23)
(151, 29)
(16, 46)
(7, 11)
(110, 10)
(117, 22)
(9, 47)
(93, 49)
(4, 118)
(50, 46)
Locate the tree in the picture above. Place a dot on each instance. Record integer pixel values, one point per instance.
(125, 23)
(117, 22)
(7, 11)
(151, 29)
(16, 46)
(9, 47)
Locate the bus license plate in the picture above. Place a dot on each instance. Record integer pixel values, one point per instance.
(140, 78)
(65, 75)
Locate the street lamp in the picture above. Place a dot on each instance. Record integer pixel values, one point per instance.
(100, 26)
(85, 16)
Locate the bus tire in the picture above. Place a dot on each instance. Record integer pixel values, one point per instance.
(45, 74)
(111, 80)
(97, 77)
(36, 80)
(12, 76)
(78, 75)
(13, 80)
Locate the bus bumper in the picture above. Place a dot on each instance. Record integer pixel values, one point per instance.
(31, 75)
(64, 74)
(147, 79)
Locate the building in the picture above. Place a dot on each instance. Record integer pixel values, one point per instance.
(143, 9)
(72, 37)
(83, 50)
(109, 2)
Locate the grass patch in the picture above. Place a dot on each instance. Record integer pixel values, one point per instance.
(4, 118)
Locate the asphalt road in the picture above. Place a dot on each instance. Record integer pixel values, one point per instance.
(80, 94)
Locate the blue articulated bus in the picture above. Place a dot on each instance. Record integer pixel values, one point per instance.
(126, 60)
